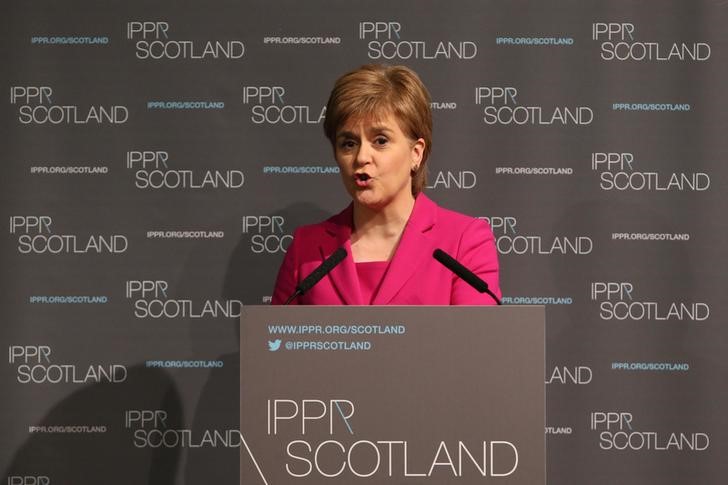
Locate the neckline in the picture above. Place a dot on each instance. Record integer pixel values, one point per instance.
(371, 263)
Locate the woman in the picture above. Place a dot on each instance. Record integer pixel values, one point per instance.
(379, 123)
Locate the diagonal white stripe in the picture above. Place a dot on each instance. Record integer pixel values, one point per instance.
(260, 472)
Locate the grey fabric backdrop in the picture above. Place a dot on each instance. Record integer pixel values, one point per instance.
(120, 128)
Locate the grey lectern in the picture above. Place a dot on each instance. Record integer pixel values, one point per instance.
(392, 395)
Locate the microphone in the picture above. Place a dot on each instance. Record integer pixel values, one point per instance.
(316, 275)
(464, 273)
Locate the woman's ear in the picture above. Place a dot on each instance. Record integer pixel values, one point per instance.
(418, 150)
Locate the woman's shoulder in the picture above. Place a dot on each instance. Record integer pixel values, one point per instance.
(334, 224)
(454, 220)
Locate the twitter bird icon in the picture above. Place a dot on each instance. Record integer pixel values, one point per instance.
(274, 345)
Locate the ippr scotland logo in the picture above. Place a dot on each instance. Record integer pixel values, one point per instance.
(151, 300)
(297, 430)
(509, 241)
(618, 301)
(502, 107)
(153, 170)
(618, 43)
(155, 428)
(267, 234)
(618, 431)
(37, 106)
(617, 171)
(36, 236)
(386, 43)
(267, 106)
(34, 366)
(153, 43)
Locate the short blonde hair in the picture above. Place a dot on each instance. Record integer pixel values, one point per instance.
(377, 90)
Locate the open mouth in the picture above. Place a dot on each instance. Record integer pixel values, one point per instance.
(362, 179)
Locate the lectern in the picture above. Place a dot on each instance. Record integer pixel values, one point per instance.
(392, 395)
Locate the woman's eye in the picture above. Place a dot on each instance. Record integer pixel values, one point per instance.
(381, 140)
(346, 144)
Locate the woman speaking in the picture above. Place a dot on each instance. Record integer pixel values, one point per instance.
(379, 123)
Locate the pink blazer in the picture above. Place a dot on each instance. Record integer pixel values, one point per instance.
(413, 277)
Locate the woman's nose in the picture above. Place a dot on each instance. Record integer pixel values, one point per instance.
(364, 154)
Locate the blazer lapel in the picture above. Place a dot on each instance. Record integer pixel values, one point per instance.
(414, 248)
(344, 276)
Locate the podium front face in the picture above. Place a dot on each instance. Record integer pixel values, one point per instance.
(392, 395)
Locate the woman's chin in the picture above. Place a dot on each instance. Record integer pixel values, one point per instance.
(369, 200)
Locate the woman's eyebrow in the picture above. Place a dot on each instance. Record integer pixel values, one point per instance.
(380, 129)
(371, 129)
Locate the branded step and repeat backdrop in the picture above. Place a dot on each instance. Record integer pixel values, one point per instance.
(156, 158)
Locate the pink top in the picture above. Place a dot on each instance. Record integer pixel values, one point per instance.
(371, 274)
(413, 276)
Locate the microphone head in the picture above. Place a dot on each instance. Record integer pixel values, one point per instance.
(441, 256)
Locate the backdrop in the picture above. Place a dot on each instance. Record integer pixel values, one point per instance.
(156, 157)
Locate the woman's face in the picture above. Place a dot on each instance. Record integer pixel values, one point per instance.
(376, 158)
